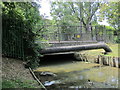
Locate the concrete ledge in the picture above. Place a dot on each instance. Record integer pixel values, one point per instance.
(100, 59)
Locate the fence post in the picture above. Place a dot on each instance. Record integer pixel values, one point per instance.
(58, 34)
(92, 32)
(22, 43)
(96, 33)
(81, 32)
(104, 35)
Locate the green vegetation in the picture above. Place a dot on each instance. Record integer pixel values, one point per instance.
(24, 28)
(75, 13)
(23, 25)
(112, 12)
(20, 30)
(18, 84)
(115, 50)
(114, 47)
(84, 14)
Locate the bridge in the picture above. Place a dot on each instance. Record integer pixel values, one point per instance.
(71, 39)
(57, 39)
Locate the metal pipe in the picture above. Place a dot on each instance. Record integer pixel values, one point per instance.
(75, 48)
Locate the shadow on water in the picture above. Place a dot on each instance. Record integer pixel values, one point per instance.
(71, 73)
(56, 59)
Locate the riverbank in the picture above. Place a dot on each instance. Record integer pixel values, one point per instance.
(77, 74)
(68, 73)
(100, 56)
(114, 47)
(14, 75)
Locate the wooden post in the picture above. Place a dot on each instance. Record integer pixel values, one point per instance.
(107, 60)
(104, 60)
(36, 78)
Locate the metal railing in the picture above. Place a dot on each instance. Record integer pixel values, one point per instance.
(77, 33)
(12, 40)
(13, 44)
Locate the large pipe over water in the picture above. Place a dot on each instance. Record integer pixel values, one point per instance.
(75, 48)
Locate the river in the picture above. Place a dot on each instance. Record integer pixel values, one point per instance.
(69, 73)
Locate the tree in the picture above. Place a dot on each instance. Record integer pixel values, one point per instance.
(76, 12)
(21, 17)
(110, 11)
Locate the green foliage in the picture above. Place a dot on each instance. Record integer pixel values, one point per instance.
(117, 40)
(8, 84)
(109, 28)
(17, 84)
(74, 13)
(22, 17)
(118, 37)
(110, 11)
(87, 14)
(66, 28)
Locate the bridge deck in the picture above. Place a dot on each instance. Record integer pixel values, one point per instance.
(72, 41)
(67, 43)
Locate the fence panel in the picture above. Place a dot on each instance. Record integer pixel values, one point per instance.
(12, 41)
(77, 33)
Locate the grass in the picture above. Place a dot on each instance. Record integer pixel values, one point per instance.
(114, 47)
(18, 84)
(115, 50)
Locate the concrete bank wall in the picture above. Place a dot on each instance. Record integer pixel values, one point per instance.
(100, 59)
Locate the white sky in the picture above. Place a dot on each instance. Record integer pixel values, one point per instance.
(45, 10)
(104, 22)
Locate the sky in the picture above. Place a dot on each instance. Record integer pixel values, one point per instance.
(45, 10)
(104, 22)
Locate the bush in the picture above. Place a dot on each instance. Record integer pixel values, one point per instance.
(20, 20)
(118, 41)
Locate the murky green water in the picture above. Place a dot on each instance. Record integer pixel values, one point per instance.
(76, 74)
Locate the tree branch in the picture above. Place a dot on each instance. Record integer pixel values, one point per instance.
(96, 8)
(79, 18)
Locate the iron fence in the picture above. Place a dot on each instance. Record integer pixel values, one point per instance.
(12, 39)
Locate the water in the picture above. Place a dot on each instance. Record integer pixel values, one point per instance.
(77, 74)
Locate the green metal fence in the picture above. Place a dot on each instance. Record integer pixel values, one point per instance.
(12, 39)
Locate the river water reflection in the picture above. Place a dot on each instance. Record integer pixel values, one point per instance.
(77, 74)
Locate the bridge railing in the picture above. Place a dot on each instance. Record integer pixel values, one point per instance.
(77, 33)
